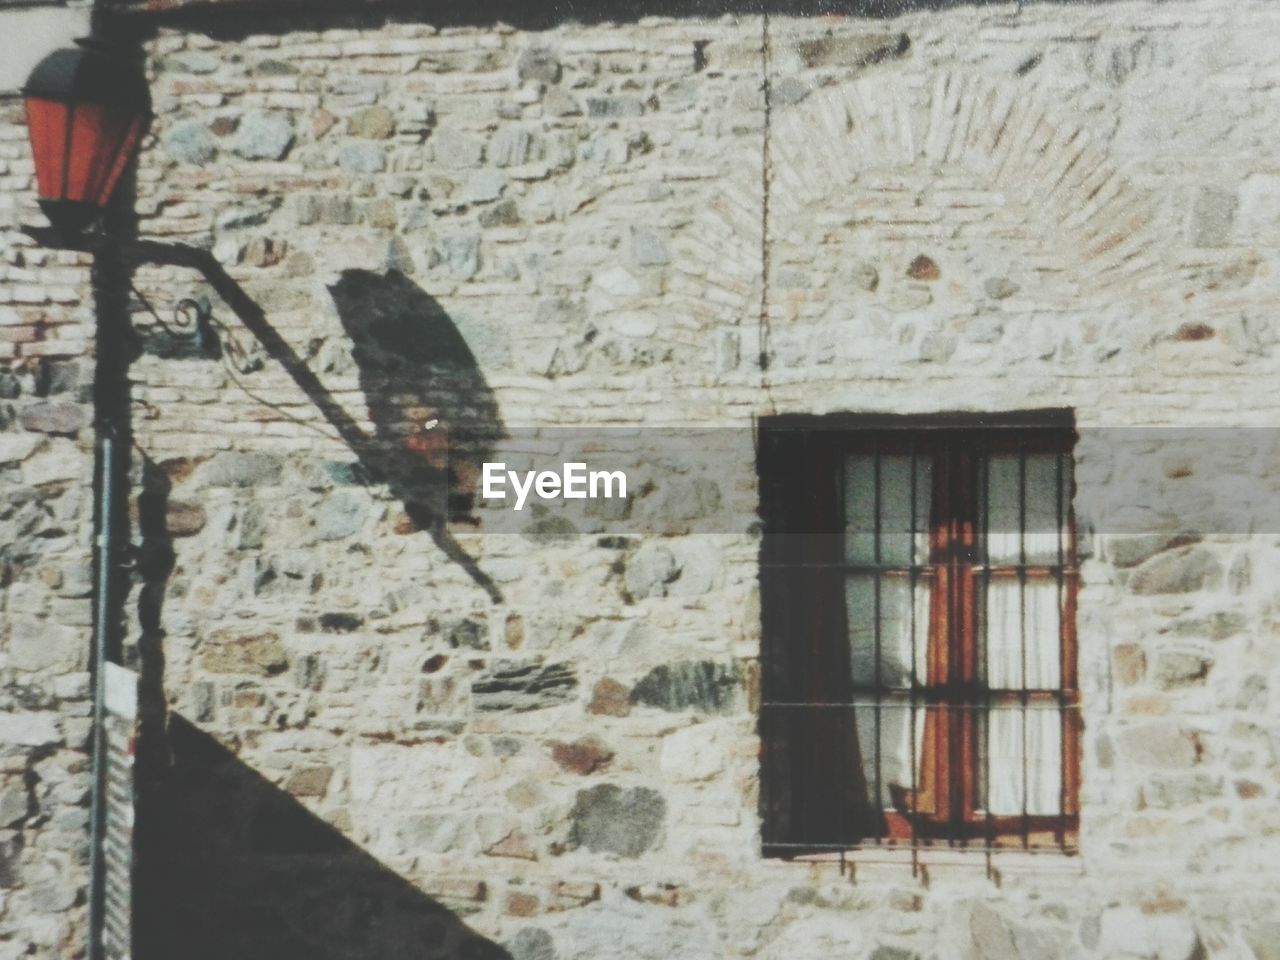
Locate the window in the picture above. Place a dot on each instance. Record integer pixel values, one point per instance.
(919, 660)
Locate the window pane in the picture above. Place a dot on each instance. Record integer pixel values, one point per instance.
(1003, 503)
(1046, 492)
(886, 746)
(904, 615)
(1024, 761)
(1042, 493)
(1021, 622)
(903, 533)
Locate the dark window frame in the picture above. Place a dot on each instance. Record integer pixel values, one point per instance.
(812, 777)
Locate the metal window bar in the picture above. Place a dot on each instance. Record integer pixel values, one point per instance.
(1060, 598)
(912, 583)
(985, 552)
(1022, 634)
(878, 554)
(920, 695)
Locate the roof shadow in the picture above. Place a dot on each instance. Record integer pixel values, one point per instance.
(229, 865)
(232, 19)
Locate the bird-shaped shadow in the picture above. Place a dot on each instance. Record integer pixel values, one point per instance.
(435, 416)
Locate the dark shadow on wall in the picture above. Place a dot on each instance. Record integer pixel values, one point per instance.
(437, 369)
(231, 866)
(225, 863)
(436, 418)
(229, 19)
(154, 564)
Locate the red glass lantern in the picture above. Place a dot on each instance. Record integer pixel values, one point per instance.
(87, 109)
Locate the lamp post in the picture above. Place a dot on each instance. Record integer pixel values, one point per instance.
(87, 109)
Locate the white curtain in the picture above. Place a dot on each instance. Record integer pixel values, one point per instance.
(1019, 623)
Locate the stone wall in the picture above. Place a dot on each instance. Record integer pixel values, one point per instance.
(46, 525)
(552, 738)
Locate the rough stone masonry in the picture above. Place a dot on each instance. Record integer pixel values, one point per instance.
(971, 209)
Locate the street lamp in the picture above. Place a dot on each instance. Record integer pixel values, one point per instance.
(87, 109)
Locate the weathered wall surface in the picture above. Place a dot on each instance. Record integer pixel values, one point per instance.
(971, 209)
(46, 519)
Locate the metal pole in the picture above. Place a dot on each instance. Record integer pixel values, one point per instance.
(98, 816)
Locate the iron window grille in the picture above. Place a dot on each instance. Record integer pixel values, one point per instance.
(919, 683)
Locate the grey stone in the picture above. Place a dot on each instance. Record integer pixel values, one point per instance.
(521, 685)
(865, 275)
(62, 376)
(561, 103)
(15, 802)
(530, 943)
(483, 186)
(341, 210)
(1168, 793)
(1212, 218)
(245, 216)
(310, 672)
(342, 514)
(689, 498)
(1185, 570)
(236, 469)
(992, 937)
(1129, 550)
(1253, 693)
(999, 288)
(608, 819)
(702, 686)
(433, 832)
(1158, 745)
(29, 729)
(191, 143)
(510, 147)
(54, 416)
(636, 931)
(52, 893)
(649, 571)
(454, 149)
(1240, 574)
(231, 651)
(938, 347)
(399, 257)
(614, 107)
(305, 208)
(190, 61)
(503, 214)
(263, 136)
(467, 634)
(203, 701)
(892, 953)
(339, 621)
(274, 68)
(460, 252)
(1179, 668)
(851, 50)
(362, 157)
(251, 527)
(648, 248)
(538, 63)
(789, 91)
(47, 648)
(1264, 940)
(1035, 945)
(372, 123)
(550, 528)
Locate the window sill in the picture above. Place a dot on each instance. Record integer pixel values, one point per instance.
(995, 863)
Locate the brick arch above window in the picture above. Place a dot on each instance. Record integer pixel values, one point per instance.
(955, 155)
